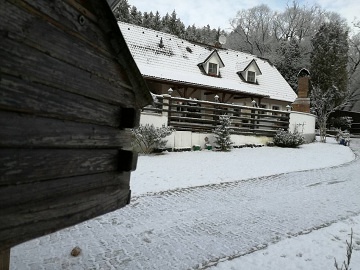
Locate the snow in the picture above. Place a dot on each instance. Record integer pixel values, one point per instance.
(188, 169)
(251, 208)
(317, 250)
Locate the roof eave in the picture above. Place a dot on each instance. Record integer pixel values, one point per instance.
(205, 87)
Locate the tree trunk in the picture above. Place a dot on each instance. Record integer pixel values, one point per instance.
(322, 127)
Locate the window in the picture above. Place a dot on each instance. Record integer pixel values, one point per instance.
(277, 108)
(251, 76)
(263, 106)
(213, 69)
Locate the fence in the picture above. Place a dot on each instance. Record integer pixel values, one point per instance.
(202, 116)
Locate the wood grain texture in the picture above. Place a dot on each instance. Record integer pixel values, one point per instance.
(34, 219)
(19, 166)
(31, 65)
(28, 29)
(35, 98)
(30, 131)
(25, 192)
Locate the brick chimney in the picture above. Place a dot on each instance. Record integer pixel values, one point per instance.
(302, 102)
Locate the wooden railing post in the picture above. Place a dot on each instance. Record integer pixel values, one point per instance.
(5, 259)
(166, 107)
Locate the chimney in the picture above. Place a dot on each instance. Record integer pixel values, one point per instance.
(302, 102)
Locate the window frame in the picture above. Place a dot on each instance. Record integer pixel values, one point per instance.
(211, 68)
(273, 108)
(253, 75)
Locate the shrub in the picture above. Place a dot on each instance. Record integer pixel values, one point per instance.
(342, 123)
(147, 138)
(288, 139)
(222, 133)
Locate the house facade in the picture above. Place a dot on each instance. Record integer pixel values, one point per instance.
(247, 87)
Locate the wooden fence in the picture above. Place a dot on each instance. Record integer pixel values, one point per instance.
(203, 116)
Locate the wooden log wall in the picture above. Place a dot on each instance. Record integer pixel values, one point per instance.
(66, 103)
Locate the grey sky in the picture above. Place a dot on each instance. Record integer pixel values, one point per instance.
(218, 13)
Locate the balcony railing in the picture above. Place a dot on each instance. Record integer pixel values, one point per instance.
(203, 116)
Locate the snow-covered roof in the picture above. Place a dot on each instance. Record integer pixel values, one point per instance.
(177, 61)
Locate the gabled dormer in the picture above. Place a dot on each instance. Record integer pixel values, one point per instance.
(212, 64)
(248, 71)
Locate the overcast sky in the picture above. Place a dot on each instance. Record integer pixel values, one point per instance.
(218, 13)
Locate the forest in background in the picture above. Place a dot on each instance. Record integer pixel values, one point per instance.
(285, 38)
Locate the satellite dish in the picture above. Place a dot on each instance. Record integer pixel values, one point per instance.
(222, 39)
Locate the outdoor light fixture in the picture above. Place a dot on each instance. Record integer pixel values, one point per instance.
(253, 102)
(216, 98)
(288, 107)
(170, 91)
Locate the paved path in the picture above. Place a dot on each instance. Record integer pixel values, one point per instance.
(195, 227)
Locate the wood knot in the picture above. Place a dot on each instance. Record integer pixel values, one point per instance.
(81, 20)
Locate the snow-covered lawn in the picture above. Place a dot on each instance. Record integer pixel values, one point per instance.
(188, 169)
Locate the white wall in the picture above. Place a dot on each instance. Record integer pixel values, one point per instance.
(157, 120)
(305, 123)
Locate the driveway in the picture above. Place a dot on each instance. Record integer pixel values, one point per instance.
(194, 227)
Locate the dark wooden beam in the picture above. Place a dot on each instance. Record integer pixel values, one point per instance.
(213, 90)
(192, 92)
(227, 99)
(185, 92)
(5, 259)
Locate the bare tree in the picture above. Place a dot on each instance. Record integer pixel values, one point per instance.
(253, 28)
(323, 103)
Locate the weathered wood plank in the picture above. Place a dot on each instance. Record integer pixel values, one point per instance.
(66, 18)
(24, 222)
(30, 131)
(18, 166)
(26, 28)
(37, 191)
(32, 65)
(30, 97)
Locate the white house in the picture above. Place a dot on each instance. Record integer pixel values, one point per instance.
(249, 88)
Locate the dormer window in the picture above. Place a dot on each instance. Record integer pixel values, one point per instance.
(212, 64)
(248, 71)
(251, 76)
(213, 69)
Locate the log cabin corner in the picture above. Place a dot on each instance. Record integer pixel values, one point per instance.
(70, 92)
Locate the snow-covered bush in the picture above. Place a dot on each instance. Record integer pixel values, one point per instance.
(288, 139)
(342, 123)
(147, 138)
(222, 133)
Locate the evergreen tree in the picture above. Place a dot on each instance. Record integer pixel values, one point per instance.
(328, 72)
(122, 11)
(146, 21)
(288, 61)
(165, 23)
(222, 133)
(157, 22)
(135, 16)
(329, 58)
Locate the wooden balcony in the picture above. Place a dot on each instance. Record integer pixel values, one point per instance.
(203, 116)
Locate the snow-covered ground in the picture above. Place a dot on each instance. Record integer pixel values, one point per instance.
(189, 169)
(317, 250)
(252, 208)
